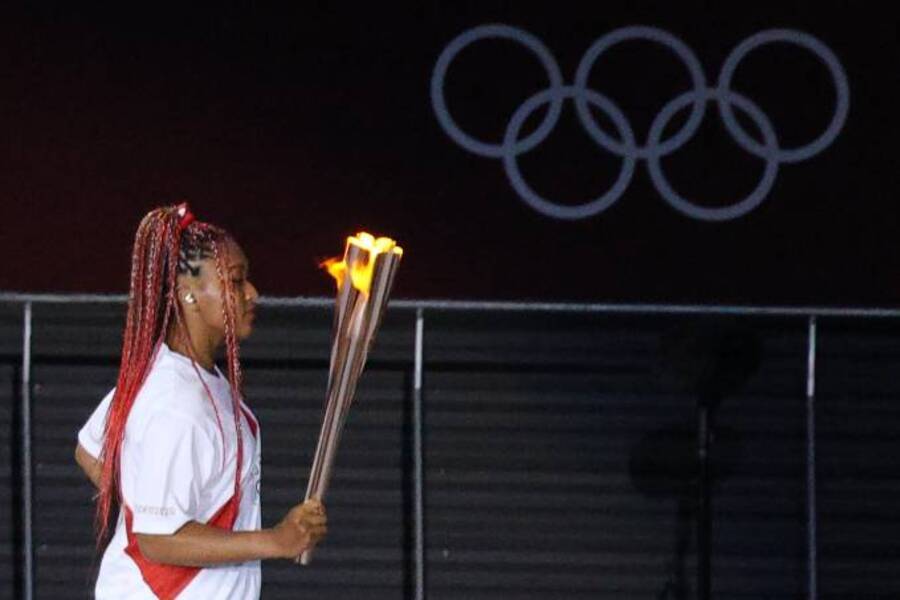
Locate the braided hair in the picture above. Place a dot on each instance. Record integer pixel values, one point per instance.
(169, 242)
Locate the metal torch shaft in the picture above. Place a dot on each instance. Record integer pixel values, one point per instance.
(358, 316)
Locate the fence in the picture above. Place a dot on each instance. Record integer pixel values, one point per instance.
(517, 450)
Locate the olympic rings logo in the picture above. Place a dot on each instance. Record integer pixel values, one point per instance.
(626, 146)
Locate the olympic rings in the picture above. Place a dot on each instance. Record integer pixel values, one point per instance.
(626, 147)
(529, 195)
(440, 72)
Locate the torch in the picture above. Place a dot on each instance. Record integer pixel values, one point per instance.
(364, 278)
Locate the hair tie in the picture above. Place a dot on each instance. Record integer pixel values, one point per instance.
(187, 217)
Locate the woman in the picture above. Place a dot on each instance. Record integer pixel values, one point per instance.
(173, 446)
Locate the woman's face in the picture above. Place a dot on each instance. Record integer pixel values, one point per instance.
(210, 294)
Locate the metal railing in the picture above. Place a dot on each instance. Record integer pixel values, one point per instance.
(812, 315)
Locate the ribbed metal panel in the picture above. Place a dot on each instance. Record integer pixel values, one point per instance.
(74, 353)
(759, 531)
(542, 436)
(64, 396)
(11, 353)
(8, 454)
(859, 460)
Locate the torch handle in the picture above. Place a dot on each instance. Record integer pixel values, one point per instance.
(342, 386)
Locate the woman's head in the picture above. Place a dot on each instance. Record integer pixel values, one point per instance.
(213, 275)
(189, 287)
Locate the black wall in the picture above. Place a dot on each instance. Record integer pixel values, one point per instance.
(296, 125)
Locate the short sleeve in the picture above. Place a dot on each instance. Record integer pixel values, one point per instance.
(173, 464)
(91, 435)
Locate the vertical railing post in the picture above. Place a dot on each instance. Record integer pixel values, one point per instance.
(418, 458)
(811, 516)
(26, 464)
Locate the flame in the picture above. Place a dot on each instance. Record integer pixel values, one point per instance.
(336, 268)
(361, 272)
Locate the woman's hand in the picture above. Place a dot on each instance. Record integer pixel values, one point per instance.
(300, 530)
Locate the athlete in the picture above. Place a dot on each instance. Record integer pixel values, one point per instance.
(173, 449)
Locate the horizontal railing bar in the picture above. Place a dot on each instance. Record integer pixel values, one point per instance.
(511, 306)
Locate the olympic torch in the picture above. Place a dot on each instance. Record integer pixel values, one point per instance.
(364, 279)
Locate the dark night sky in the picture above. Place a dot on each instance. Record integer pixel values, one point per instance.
(294, 127)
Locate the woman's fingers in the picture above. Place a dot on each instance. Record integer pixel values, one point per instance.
(313, 507)
(309, 524)
(313, 520)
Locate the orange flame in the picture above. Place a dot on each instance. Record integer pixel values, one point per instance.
(361, 273)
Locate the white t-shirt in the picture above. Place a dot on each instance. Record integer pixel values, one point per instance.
(175, 468)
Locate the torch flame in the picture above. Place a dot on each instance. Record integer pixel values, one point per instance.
(336, 268)
(361, 272)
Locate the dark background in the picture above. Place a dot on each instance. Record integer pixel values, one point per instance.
(295, 126)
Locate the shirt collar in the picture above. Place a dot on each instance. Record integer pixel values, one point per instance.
(184, 362)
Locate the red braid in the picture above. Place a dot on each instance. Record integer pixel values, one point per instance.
(152, 302)
(235, 376)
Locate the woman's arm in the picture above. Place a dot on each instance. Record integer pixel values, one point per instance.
(196, 544)
(90, 465)
(199, 545)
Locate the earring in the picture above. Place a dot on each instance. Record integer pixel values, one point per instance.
(189, 298)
